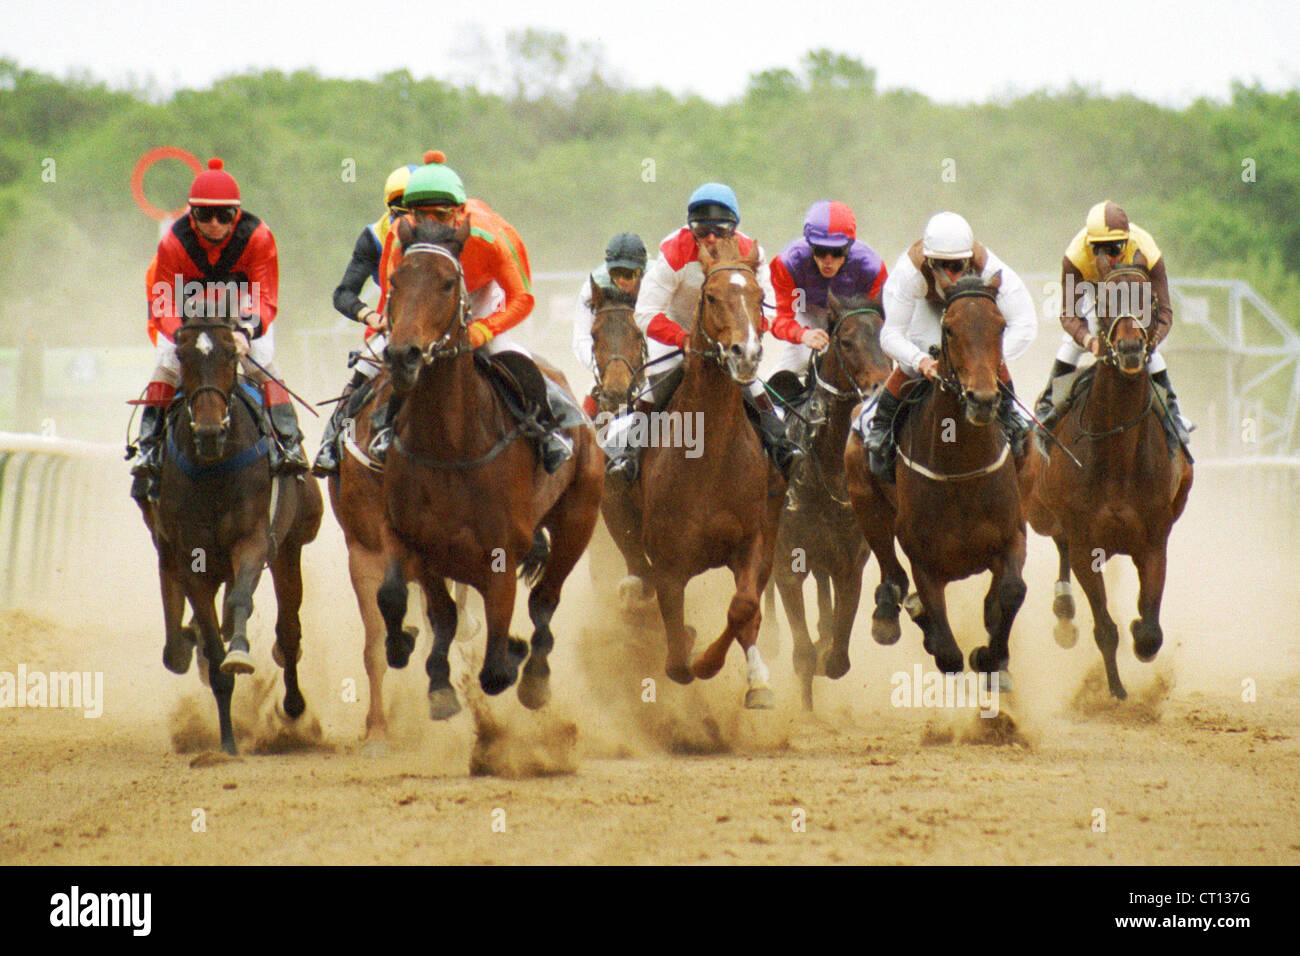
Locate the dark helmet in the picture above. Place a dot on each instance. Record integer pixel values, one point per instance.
(625, 251)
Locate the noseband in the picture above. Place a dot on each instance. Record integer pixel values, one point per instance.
(714, 351)
(443, 347)
(857, 392)
(224, 393)
(1108, 338)
(637, 371)
(950, 382)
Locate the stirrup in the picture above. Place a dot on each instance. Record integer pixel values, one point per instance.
(556, 449)
(378, 447)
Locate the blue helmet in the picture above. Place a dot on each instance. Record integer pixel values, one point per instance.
(713, 201)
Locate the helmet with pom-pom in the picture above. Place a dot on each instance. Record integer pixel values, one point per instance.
(214, 186)
(434, 184)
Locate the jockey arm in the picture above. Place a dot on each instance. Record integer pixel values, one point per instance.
(786, 325)
(1017, 307)
(508, 271)
(652, 305)
(1074, 323)
(1164, 307)
(261, 263)
(899, 303)
(583, 319)
(363, 265)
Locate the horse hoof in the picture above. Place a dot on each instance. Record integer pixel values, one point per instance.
(534, 692)
(494, 682)
(294, 707)
(833, 665)
(517, 648)
(443, 704)
(1146, 641)
(1118, 692)
(1004, 681)
(177, 659)
(1066, 634)
(680, 673)
(760, 698)
(1063, 606)
(704, 668)
(228, 746)
(237, 662)
(950, 663)
(277, 655)
(886, 630)
(634, 593)
(399, 648)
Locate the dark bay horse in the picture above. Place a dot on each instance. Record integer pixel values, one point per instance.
(465, 494)
(221, 517)
(956, 508)
(357, 498)
(719, 506)
(1128, 488)
(818, 533)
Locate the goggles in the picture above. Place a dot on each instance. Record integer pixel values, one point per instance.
(950, 266)
(1111, 249)
(833, 252)
(222, 214)
(703, 228)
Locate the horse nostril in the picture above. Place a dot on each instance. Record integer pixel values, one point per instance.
(737, 351)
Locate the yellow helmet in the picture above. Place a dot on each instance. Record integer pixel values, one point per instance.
(1106, 222)
(395, 184)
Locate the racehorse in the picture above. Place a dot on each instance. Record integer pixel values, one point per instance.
(465, 495)
(1128, 487)
(817, 533)
(720, 507)
(357, 497)
(956, 508)
(221, 517)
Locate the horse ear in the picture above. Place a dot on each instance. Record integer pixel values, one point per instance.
(707, 259)
(462, 231)
(597, 295)
(996, 281)
(751, 260)
(832, 306)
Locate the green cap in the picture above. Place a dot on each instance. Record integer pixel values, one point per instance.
(434, 184)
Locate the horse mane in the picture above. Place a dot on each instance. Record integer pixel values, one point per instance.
(853, 303)
(434, 233)
(617, 296)
(966, 285)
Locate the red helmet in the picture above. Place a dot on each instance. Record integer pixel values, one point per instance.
(214, 187)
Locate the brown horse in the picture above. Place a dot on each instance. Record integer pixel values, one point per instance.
(464, 491)
(220, 518)
(956, 509)
(357, 497)
(1128, 487)
(817, 533)
(719, 505)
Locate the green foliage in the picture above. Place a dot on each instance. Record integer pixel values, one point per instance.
(562, 150)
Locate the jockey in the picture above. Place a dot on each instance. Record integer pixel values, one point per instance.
(620, 273)
(217, 242)
(1108, 239)
(914, 304)
(829, 258)
(669, 299)
(347, 299)
(498, 280)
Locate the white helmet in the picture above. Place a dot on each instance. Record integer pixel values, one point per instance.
(947, 236)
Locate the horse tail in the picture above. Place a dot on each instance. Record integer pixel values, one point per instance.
(534, 562)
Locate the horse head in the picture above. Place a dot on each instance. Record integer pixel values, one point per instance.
(426, 301)
(618, 347)
(971, 345)
(730, 319)
(1125, 314)
(855, 325)
(209, 363)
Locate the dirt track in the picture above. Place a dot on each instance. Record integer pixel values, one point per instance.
(1185, 771)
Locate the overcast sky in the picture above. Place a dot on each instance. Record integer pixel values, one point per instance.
(1169, 52)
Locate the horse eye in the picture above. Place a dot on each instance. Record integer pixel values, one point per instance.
(448, 285)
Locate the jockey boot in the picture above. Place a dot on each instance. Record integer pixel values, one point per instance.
(554, 447)
(1014, 424)
(1045, 409)
(879, 439)
(771, 429)
(382, 422)
(1183, 428)
(624, 461)
(330, 454)
(147, 467)
(288, 457)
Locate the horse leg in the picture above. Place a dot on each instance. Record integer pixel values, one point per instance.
(1066, 633)
(366, 569)
(848, 592)
(1104, 630)
(247, 558)
(202, 597)
(769, 632)
(825, 614)
(938, 640)
(624, 526)
(743, 611)
(1147, 635)
(671, 593)
(178, 650)
(442, 619)
(504, 653)
(286, 575)
(391, 599)
(1005, 596)
(877, 521)
(805, 658)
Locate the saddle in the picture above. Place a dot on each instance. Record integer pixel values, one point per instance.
(538, 404)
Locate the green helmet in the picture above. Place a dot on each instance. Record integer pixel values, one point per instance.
(434, 184)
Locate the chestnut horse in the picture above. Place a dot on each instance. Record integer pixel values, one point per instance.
(465, 494)
(1128, 487)
(818, 533)
(220, 518)
(720, 506)
(956, 508)
(357, 497)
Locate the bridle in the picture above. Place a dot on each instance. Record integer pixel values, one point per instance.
(950, 382)
(452, 342)
(1108, 338)
(636, 371)
(715, 350)
(856, 393)
(224, 393)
